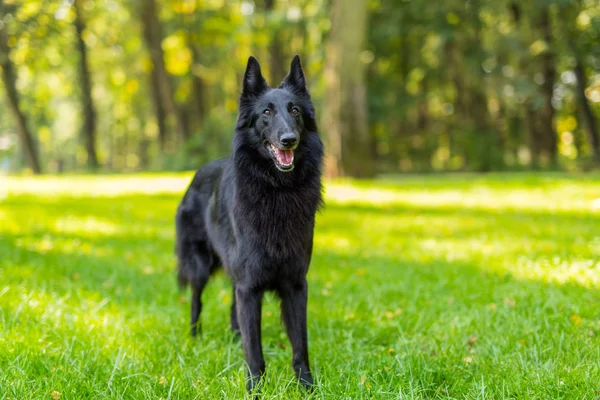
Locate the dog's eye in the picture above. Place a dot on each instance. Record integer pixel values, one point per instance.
(295, 111)
(267, 112)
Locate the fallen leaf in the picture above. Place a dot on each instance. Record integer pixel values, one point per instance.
(56, 395)
(472, 340)
(510, 302)
(576, 319)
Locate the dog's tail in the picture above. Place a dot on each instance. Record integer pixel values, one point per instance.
(195, 258)
(182, 280)
(195, 262)
(182, 277)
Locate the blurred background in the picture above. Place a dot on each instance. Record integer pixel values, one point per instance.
(400, 85)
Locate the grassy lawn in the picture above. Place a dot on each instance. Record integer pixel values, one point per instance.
(456, 287)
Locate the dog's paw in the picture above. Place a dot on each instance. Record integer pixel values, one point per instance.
(253, 386)
(195, 332)
(307, 381)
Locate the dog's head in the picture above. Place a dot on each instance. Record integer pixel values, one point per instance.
(275, 122)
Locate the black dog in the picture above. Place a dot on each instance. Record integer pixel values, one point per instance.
(254, 214)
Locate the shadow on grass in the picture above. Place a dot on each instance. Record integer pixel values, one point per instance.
(403, 311)
(141, 255)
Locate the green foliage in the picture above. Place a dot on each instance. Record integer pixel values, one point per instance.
(433, 67)
(434, 76)
(211, 142)
(420, 287)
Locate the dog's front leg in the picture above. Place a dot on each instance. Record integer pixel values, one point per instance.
(248, 302)
(293, 310)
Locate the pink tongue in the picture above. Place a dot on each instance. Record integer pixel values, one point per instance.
(287, 156)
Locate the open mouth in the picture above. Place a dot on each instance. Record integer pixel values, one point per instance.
(284, 159)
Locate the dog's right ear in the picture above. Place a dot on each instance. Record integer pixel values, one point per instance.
(254, 83)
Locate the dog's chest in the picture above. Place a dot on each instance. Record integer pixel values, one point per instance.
(281, 224)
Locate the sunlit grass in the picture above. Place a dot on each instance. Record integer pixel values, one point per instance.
(420, 287)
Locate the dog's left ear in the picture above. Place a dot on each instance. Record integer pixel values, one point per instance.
(295, 78)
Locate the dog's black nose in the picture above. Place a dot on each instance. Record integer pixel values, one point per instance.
(288, 140)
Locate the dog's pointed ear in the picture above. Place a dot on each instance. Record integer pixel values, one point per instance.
(254, 83)
(295, 78)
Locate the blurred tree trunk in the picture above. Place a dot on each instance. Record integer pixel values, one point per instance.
(198, 86)
(535, 135)
(533, 138)
(584, 110)
(159, 110)
(305, 48)
(276, 56)
(85, 83)
(455, 70)
(153, 37)
(9, 79)
(578, 133)
(490, 146)
(457, 79)
(546, 113)
(197, 106)
(588, 114)
(403, 130)
(345, 112)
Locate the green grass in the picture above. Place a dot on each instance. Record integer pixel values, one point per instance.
(459, 286)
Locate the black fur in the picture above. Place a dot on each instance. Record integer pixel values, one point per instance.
(246, 214)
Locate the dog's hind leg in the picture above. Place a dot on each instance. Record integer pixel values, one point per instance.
(235, 325)
(197, 289)
(202, 261)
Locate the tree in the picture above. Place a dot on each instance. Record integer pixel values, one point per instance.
(276, 56)
(345, 112)
(9, 79)
(162, 87)
(488, 137)
(574, 44)
(398, 85)
(588, 114)
(548, 66)
(85, 83)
